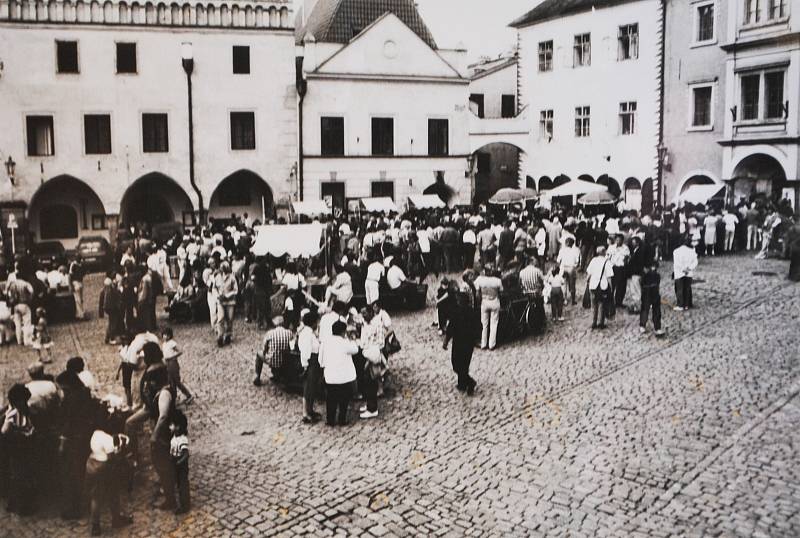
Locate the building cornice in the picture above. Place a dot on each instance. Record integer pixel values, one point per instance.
(419, 79)
(235, 15)
(379, 157)
(758, 141)
(789, 38)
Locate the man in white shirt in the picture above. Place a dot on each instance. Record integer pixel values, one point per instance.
(730, 220)
(619, 254)
(468, 242)
(308, 345)
(336, 360)
(569, 259)
(375, 272)
(684, 262)
(600, 272)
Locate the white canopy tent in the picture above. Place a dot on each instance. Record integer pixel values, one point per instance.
(576, 187)
(379, 205)
(699, 194)
(426, 201)
(311, 208)
(296, 240)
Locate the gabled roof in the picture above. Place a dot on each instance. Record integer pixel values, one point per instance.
(551, 9)
(488, 67)
(339, 21)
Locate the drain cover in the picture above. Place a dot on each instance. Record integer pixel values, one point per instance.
(764, 273)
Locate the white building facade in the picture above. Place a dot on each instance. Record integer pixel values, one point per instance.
(590, 80)
(95, 113)
(761, 143)
(384, 112)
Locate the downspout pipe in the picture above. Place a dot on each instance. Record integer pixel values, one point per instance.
(661, 83)
(302, 87)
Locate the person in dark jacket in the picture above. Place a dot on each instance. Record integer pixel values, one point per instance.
(461, 330)
(651, 299)
(111, 306)
(146, 302)
(505, 246)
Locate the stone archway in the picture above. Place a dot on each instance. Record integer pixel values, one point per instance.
(610, 183)
(64, 209)
(242, 192)
(497, 167)
(545, 184)
(758, 174)
(155, 199)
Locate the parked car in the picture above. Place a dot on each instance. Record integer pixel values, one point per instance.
(166, 230)
(48, 255)
(95, 251)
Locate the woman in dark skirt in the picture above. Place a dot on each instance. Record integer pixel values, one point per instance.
(462, 330)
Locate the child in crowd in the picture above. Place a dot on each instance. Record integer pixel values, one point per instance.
(42, 342)
(555, 280)
(248, 294)
(169, 347)
(651, 299)
(179, 450)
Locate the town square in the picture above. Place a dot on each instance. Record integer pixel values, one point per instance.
(396, 268)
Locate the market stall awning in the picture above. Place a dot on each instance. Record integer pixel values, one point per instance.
(426, 201)
(379, 205)
(699, 194)
(576, 187)
(296, 240)
(311, 208)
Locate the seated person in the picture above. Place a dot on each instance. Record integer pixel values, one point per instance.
(397, 281)
(342, 287)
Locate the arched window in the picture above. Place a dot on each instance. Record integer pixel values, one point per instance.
(58, 221)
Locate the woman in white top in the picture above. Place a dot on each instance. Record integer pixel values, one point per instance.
(336, 360)
(375, 272)
(308, 345)
(489, 288)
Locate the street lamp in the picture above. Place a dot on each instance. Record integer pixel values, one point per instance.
(187, 60)
(10, 168)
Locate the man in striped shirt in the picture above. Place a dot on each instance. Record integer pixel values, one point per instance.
(277, 343)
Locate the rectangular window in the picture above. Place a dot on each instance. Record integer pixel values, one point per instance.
(546, 56)
(582, 121)
(332, 134)
(40, 136)
(382, 136)
(773, 94)
(243, 130)
(66, 56)
(241, 60)
(97, 134)
(627, 118)
(546, 124)
(777, 9)
(508, 107)
(126, 57)
(477, 98)
(701, 106)
(705, 23)
(438, 137)
(751, 85)
(381, 189)
(582, 50)
(752, 11)
(155, 133)
(628, 42)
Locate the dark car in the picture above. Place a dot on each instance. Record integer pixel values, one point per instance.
(48, 255)
(95, 251)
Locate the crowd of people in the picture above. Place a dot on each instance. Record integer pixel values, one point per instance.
(325, 319)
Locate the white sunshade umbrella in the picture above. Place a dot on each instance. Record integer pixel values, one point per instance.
(576, 187)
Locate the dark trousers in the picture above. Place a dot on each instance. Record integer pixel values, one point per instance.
(570, 276)
(130, 319)
(371, 391)
(461, 358)
(450, 257)
(72, 456)
(311, 385)
(182, 480)
(147, 316)
(468, 255)
(103, 489)
(338, 399)
(165, 469)
(599, 308)
(556, 303)
(683, 292)
(115, 327)
(620, 285)
(650, 301)
(21, 469)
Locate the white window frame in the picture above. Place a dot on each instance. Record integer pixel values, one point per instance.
(543, 119)
(586, 128)
(633, 48)
(539, 55)
(586, 51)
(690, 120)
(761, 118)
(632, 113)
(696, 6)
(140, 118)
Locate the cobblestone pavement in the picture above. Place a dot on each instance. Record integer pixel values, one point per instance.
(576, 433)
